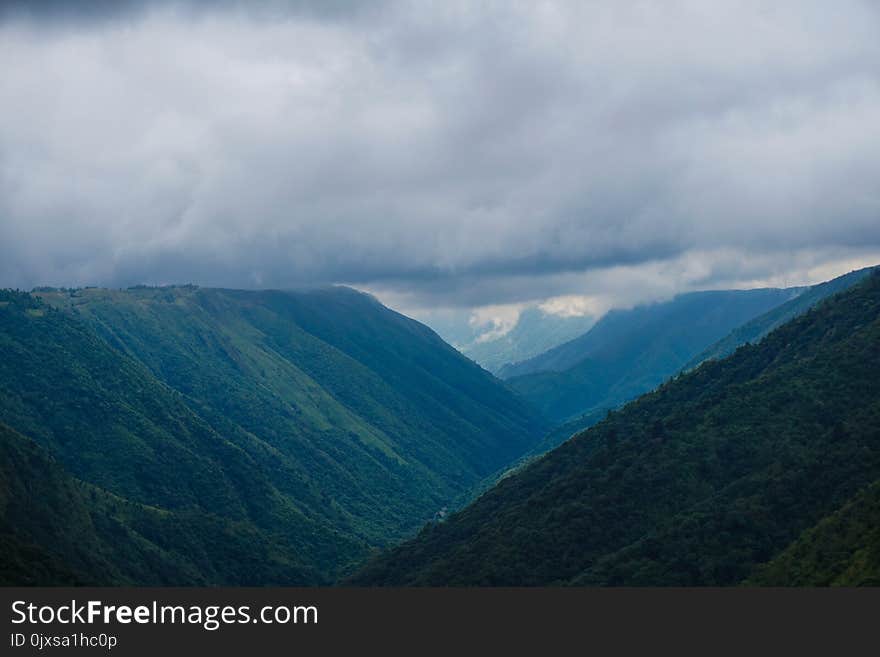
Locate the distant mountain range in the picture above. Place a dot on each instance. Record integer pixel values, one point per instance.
(230, 437)
(534, 332)
(754, 330)
(762, 467)
(629, 352)
(190, 436)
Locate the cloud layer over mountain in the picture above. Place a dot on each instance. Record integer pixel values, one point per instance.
(457, 154)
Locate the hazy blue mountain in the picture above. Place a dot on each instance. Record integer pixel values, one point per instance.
(318, 421)
(754, 330)
(535, 332)
(674, 324)
(715, 478)
(629, 352)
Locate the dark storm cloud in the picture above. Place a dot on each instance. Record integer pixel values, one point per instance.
(455, 153)
(86, 11)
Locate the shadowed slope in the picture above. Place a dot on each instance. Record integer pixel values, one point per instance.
(698, 483)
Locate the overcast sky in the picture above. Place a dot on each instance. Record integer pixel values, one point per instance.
(440, 154)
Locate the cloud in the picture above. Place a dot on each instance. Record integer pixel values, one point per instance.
(493, 322)
(85, 12)
(466, 154)
(574, 305)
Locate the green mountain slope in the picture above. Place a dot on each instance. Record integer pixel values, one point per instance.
(320, 420)
(55, 530)
(841, 550)
(754, 330)
(42, 506)
(112, 424)
(697, 483)
(629, 352)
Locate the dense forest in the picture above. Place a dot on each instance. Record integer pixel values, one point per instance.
(192, 436)
(761, 467)
(841, 550)
(311, 424)
(58, 530)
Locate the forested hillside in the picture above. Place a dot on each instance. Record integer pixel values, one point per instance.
(57, 530)
(629, 352)
(319, 421)
(713, 479)
(841, 550)
(754, 330)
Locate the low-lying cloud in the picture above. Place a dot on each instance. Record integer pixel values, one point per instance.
(459, 154)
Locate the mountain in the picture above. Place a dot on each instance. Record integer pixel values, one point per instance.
(667, 325)
(317, 421)
(57, 530)
(41, 505)
(760, 326)
(535, 331)
(704, 481)
(841, 550)
(629, 352)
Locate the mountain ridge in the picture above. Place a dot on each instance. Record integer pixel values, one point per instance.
(320, 418)
(760, 326)
(700, 482)
(629, 352)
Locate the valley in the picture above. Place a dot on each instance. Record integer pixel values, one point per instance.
(196, 436)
